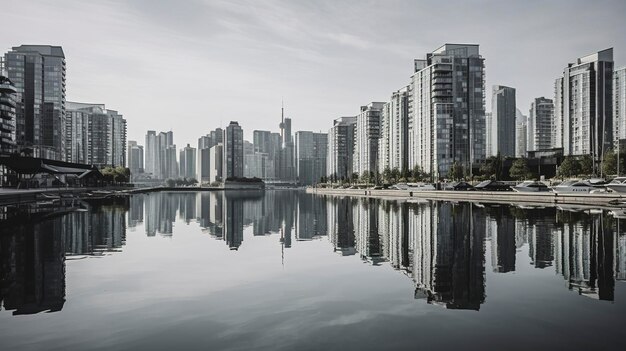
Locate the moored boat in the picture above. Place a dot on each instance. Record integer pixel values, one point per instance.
(531, 186)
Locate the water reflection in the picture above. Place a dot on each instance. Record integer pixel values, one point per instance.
(35, 244)
(445, 248)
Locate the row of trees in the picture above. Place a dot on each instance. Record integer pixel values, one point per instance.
(388, 176)
(493, 168)
(180, 182)
(116, 174)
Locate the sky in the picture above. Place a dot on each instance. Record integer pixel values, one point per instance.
(191, 66)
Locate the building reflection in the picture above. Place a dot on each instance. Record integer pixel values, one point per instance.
(35, 246)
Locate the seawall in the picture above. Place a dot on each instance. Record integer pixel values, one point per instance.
(480, 196)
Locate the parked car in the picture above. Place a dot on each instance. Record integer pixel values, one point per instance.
(492, 185)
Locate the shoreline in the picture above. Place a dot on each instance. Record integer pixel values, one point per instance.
(509, 197)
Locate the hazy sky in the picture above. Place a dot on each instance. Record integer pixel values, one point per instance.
(191, 66)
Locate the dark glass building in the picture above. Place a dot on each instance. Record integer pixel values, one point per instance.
(38, 72)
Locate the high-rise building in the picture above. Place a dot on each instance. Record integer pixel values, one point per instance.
(502, 126)
(216, 162)
(341, 139)
(521, 129)
(38, 73)
(286, 168)
(233, 151)
(447, 111)
(311, 151)
(94, 135)
(394, 136)
(540, 129)
(583, 106)
(160, 158)
(152, 153)
(7, 121)
(367, 134)
(619, 108)
(205, 143)
(268, 144)
(7, 114)
(135, 158)
(169, 162)
(187, 162)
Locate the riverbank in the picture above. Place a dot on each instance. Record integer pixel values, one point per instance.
(481, 196)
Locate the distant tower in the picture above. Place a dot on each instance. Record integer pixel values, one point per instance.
(282, 123)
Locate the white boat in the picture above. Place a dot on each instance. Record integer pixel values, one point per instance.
(618, 185)
(531, 186)
(420, 186)
(574, 187)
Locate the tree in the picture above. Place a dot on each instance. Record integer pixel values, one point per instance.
(355, 177)
(609, 163)
(395, 174)
(170, 183)
(456, 171)
(586, 164)
(569, 167)
(387, 175)
(519, 169)
(365, 177)
(492, 168)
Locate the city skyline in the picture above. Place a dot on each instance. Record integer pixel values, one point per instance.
(318, 70)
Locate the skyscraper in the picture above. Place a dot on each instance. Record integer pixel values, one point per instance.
(521, 130)
(394, 136)
(619, 108)
(187, 162)
(38, 73)
(584, 106)
(540, 128)
(7, 114)
(502, 127)
(233, 151)
(152, 153)
(135, 158)
(205, 143)
(311, 151)
(94, 135)
(447, 112)
(286, 167)
(341, 139)
(367, 133)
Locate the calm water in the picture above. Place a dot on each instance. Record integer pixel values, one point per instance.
(287, 270)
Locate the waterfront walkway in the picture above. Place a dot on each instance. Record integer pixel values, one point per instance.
(607, 199)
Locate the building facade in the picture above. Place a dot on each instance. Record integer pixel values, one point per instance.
(540, 132)
(187, 162)
(394, 135)
(94, 135)
(502, 126)
(38, 73)
(447, 110)
(135, 158)
(233, 151)
(521, 134)
(367, 135)
(584, 106)
(341, 139)
(311, 156)
(619, 108)
(8, 94)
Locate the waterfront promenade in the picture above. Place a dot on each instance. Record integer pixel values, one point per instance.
(510, 197)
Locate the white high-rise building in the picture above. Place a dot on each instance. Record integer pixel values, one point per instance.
(521, 130)
(341, 148)
(540, 132)
(394, 138)
(365, 156)
(446, 110)
(619, 108)
(583, 102)
(187, 162)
